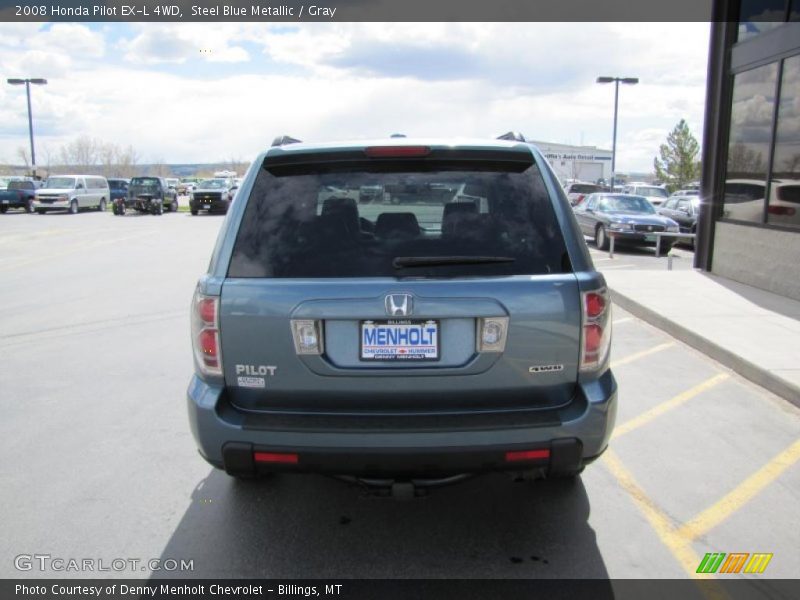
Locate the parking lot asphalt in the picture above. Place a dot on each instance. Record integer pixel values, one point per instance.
(94, 335)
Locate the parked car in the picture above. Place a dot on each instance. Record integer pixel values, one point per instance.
(655, 194)
(148, 195)
(173, 183)
(686, 192)
(118, 188)
(631, 219)
(212, 195)
(684, 210)
(370, 193)
(578, 190)
(744, 201)
(187, 185)
(72, 192)
(451, 339)
(20, 193)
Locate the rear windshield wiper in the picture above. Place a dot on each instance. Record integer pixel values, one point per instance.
(432, 261)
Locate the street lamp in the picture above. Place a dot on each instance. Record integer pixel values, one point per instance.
(616, 81)
(28, 82)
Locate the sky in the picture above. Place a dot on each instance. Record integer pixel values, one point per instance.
(219, 92)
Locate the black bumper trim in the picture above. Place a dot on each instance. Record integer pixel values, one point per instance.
(565, 458)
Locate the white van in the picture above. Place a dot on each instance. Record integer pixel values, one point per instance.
(72, 192)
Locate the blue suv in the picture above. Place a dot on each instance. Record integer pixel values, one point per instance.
(418, 338)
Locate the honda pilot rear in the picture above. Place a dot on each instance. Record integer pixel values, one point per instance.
(408, 338)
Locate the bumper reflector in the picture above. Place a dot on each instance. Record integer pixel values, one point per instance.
(274, 457)
(527, 455)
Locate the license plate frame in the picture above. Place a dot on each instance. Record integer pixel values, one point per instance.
(401, 353)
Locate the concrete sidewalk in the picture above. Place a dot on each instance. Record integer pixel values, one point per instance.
(754, 332)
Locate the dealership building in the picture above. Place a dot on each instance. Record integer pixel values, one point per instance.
(585, 163)
(749, 228)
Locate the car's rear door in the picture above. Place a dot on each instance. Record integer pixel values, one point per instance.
(323, 296)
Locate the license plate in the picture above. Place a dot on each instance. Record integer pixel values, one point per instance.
(649, 238)
(5, 201)
(206, 206)
(399, 339)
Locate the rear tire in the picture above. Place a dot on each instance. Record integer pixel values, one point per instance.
(173, 206)
(3, 209)
(73, 207)
(193, 211)
(102, 206)
(601, 238)
(29, 206)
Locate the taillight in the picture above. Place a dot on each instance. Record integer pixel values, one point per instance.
(786, 211)
(596, 333)
(205, 334)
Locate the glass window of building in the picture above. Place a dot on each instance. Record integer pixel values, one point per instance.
(758, 16)
(784, 196)
(749, 143)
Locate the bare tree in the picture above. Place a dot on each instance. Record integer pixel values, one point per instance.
(81, 153)
(127, 159)
(743, 160)
(24, 157)
(107, 154)
(160, 169)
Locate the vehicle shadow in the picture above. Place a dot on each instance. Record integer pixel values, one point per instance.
(313, 526)
(767, 300)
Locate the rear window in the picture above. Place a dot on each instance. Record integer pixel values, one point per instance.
(145, 181)
(786, 193)
(20, 185)
(316, 222)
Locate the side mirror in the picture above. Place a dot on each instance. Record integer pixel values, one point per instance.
(79, 186)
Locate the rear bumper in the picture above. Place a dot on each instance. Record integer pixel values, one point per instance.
(427, 446)
(14, 202)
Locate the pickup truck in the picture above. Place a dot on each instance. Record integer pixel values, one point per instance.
(19, 194)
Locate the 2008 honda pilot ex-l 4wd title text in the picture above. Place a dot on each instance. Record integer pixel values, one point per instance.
(415, 340)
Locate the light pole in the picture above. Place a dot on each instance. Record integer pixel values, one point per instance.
(616, 81)
(28, 82)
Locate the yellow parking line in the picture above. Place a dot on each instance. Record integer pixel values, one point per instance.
(632, 357)
(668, 405)
(741, 495)
(658, 519)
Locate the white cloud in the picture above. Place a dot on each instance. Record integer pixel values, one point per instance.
(333, 81)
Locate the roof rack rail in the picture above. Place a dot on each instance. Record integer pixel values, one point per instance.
(513, 136)
(282, 140)
(398, 135)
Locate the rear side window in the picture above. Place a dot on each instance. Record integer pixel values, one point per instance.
(584, 188)
(318, 222)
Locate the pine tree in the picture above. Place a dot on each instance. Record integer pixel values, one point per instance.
(678, 164)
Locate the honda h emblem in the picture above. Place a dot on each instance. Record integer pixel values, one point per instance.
(399, 305)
